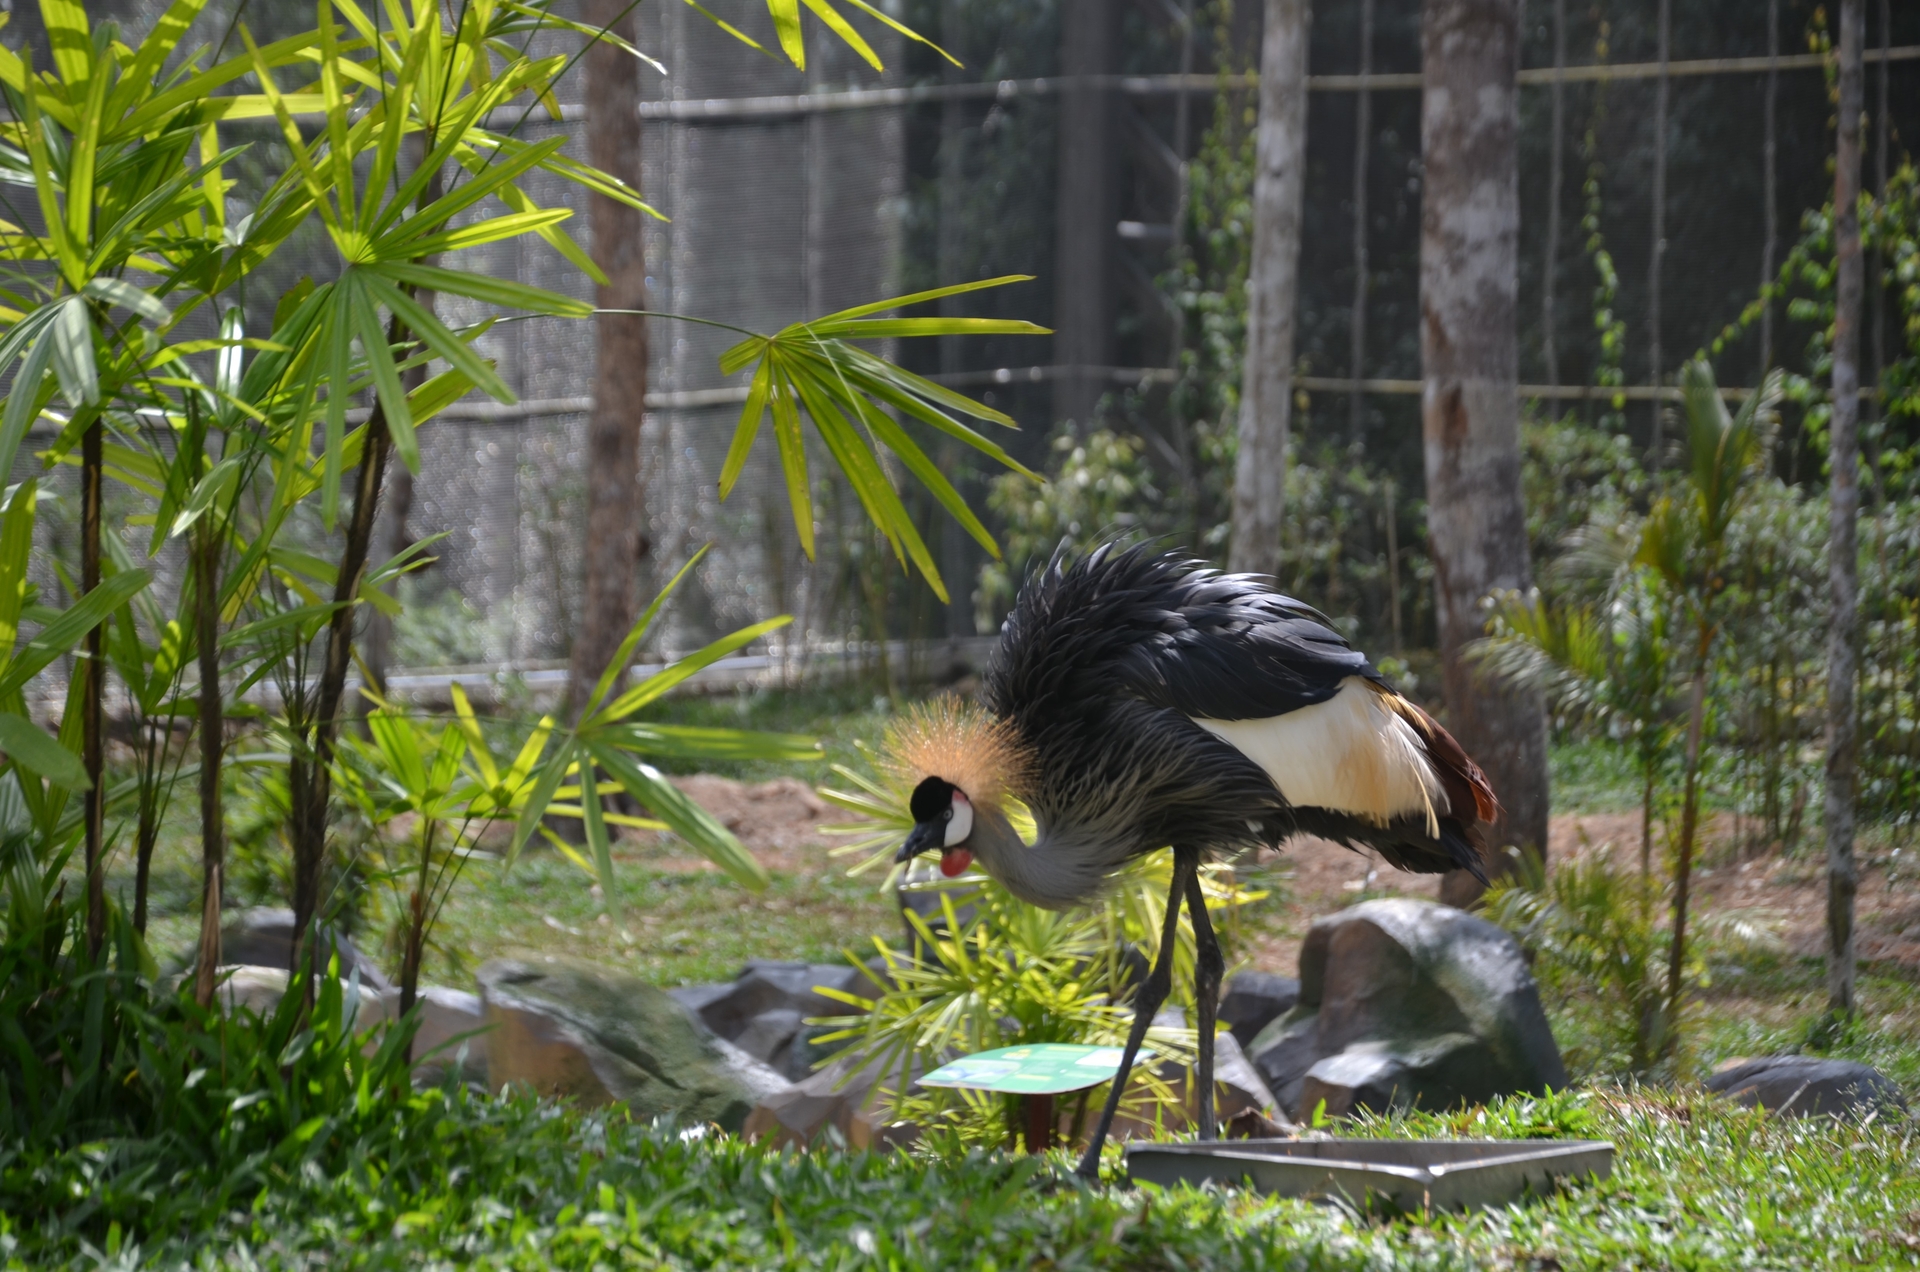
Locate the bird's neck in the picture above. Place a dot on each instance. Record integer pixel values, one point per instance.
(1061, 868)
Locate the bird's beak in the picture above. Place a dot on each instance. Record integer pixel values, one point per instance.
(925, 837)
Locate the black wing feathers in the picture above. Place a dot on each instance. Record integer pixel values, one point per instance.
(1166, 629)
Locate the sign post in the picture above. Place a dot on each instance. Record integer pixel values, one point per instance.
(1035, 1072)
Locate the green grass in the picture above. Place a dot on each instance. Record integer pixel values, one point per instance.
(675, 927)
(512, 1183)
(1592, 777)
(515, 1184)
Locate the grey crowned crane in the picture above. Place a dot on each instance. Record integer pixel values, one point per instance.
(1140, 700)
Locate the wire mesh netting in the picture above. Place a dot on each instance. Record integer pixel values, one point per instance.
(788, 194)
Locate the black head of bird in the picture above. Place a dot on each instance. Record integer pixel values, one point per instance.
(964, 766)
(1141, 700)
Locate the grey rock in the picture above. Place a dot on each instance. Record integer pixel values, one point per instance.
(452, 1035)
(765, 1009)
(851, 1100)
(600, 1036)
(1808, 1086)
(1436, 1008)
(1253, 1000)
(260, 989)
(263, 937)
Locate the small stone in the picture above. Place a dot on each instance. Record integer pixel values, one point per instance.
(1808, 1086)
(263, 937)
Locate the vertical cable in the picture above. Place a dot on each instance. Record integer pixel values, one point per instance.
(1658, 247)
(1549, 277)
(1769, 197)
(1362, 144)
(1182, 148)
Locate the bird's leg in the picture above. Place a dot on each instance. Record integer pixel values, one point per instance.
(1146, 1001)
(1208, 966)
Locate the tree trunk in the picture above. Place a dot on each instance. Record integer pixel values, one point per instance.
(92, 720)
(1842, 549)
(213, 723)
(1085, 211)
(312, 773)
(617, 539)
(1470, 418)
(1273, 290)
(1689, 823)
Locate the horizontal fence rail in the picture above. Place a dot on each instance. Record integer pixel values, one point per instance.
(693, 110)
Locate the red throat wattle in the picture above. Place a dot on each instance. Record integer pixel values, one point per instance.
(954, 862)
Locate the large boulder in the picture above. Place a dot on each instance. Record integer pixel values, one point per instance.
(764, 1010)
(1407, 1003)
(850, 1099)
(1807, 1086)
(452, 1035)
(1254, 1000)
(263, 937)
(600, 1036)
(260, 989)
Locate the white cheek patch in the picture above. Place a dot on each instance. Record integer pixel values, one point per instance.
(959, 822)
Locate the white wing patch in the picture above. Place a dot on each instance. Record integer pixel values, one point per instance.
(1352, 754)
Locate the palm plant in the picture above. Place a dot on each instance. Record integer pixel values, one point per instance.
(120, 323)
(1670, 571)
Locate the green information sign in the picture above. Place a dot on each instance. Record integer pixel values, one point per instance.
(1045, 1068)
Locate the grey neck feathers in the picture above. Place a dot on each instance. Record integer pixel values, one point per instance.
(1061, 869)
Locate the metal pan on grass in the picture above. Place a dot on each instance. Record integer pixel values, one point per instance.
(1408, 1175)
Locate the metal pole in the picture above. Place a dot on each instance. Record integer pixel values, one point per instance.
(1548, 323)
(1658, 246)
(1362, 144)
(1770, 214)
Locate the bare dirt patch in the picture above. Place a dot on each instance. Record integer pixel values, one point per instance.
(779, 822)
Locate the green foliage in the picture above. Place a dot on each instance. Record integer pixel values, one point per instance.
(1098, 486)
(813, 368)
(513, 1183)
(1594, 930)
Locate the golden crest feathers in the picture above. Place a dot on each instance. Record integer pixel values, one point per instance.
(946, 738)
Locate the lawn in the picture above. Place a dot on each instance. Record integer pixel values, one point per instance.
(515, 1184)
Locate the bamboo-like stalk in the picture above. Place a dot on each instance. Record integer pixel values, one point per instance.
(92, 718)
(206, 616)
(1689, 814)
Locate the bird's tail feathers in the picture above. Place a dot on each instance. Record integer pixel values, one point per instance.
(1468, 792)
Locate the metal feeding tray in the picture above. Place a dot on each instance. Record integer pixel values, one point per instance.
(1410, 1175)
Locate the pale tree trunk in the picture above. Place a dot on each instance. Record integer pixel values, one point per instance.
(1273, 290)
(617, 540)
(1084, 212)
(1470, 417)
(1842, 549)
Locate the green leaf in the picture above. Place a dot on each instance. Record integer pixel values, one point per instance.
(542, 794)
(688, 820)
(33, 749)
(65, 632)
(695, 742)
(118, 291)
(493, 291)
(621, 657)
(786, 24)
(664, 680)
(597, 840)
(72, 335)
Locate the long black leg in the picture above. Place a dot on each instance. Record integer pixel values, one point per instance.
(1208, 967)
(1146, 1001)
